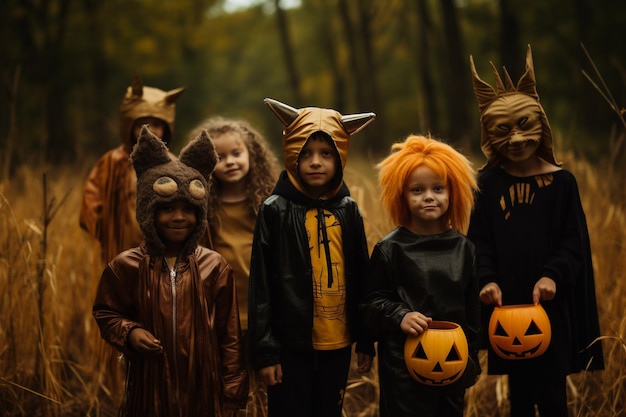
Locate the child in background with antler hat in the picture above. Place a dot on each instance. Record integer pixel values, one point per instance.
(108, 207)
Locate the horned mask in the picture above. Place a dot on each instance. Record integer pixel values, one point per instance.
(509, 98)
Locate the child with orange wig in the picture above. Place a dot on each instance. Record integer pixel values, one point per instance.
(423, 270)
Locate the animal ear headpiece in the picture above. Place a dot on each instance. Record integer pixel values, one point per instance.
(526, 87)
(300, 124)
(142, 101)
(161, 180)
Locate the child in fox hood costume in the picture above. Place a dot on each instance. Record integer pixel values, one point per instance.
(191, 309)
(307, 270)
(108, 207)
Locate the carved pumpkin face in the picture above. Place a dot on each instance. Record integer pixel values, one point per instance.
(439, 355)
(519, 331)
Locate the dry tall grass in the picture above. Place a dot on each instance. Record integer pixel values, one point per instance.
(47, 281)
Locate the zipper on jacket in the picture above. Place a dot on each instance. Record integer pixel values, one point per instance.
(173, 272)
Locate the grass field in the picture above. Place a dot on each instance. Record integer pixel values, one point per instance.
(48, 273)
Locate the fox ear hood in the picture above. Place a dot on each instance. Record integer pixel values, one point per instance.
(527, 87)
(143, 101)
(162, 180)
(200, 154)
(300, 124)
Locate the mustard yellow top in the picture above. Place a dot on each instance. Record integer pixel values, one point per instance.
(233, 240)
(330, 330)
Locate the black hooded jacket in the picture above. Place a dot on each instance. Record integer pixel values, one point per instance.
(280, 291)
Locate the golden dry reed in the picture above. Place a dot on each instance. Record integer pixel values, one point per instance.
(49, 269)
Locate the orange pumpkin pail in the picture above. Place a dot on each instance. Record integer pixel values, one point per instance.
(439, 355)
(519, 331)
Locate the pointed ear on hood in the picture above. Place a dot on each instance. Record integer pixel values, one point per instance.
(200, 154)
(149, 152)
(172, 96)
(527, 84)
(285, 113)
(136, 86)
(485, 93)
(354, 123)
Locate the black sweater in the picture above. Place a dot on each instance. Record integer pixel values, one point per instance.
(525, 228)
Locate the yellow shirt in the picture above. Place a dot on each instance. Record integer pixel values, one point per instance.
(330, 330)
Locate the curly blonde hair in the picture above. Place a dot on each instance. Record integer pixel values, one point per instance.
(264, 167)
(452, 166)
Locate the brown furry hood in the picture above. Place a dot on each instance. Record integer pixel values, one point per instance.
(161, 179)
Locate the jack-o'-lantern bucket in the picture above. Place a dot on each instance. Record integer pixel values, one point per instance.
(438, 356)
(519, 331)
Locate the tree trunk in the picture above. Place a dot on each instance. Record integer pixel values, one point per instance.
(99, 73)
(328, 38)
(510, 49)
(360, 50)
(428, 92)
(590, 105)
(458, 82)
(290, 62)
(57, 140)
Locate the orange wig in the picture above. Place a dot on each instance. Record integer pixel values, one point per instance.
(453, 168)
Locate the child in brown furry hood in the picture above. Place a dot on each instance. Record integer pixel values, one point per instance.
(170, 305)
(107, 211)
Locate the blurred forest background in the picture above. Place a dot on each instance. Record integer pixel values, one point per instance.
(66, 64)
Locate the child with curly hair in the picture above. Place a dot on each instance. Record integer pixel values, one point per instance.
(244, 177)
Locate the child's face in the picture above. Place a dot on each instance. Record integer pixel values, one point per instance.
(175, 222)
(513, 124)
(317, 165)
(156, 126)
(234, 159)
(427, 197)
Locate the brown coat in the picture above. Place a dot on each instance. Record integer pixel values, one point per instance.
(199, 330)
(108, 207)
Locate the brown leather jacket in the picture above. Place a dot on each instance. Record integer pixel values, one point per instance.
(196, 321)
